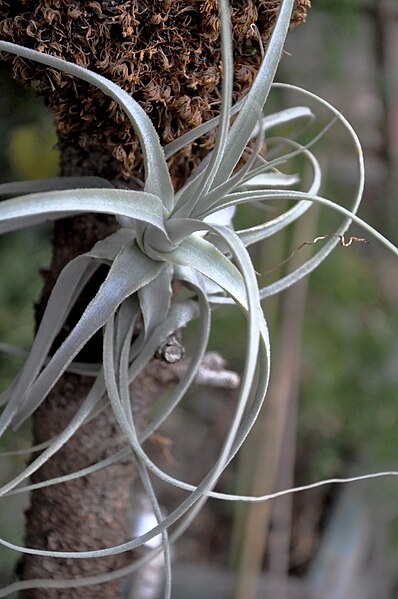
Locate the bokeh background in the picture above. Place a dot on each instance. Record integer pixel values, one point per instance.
(333, 402)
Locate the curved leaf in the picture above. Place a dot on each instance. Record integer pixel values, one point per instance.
(56, 183)
(249, 114)
(217, 155)
(158, 180)
(130, 271)
(19, 212)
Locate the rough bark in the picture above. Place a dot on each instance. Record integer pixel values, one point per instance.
(90, 512)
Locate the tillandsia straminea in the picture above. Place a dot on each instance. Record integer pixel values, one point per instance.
(164, 236)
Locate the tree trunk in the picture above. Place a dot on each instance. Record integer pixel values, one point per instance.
(167, 54)
(89, 512)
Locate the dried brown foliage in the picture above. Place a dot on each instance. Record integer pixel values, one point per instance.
(164, 52)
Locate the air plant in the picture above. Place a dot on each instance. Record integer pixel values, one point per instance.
(164, 236)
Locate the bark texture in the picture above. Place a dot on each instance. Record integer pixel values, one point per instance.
(90, 512)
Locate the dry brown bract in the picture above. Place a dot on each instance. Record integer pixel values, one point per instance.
(164, 52)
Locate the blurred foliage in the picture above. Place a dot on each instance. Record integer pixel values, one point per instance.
(22, 255)
(27, 153)
(27, 134)
(348, 410)
(31, 151)
(340, 7)
(346, 11)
